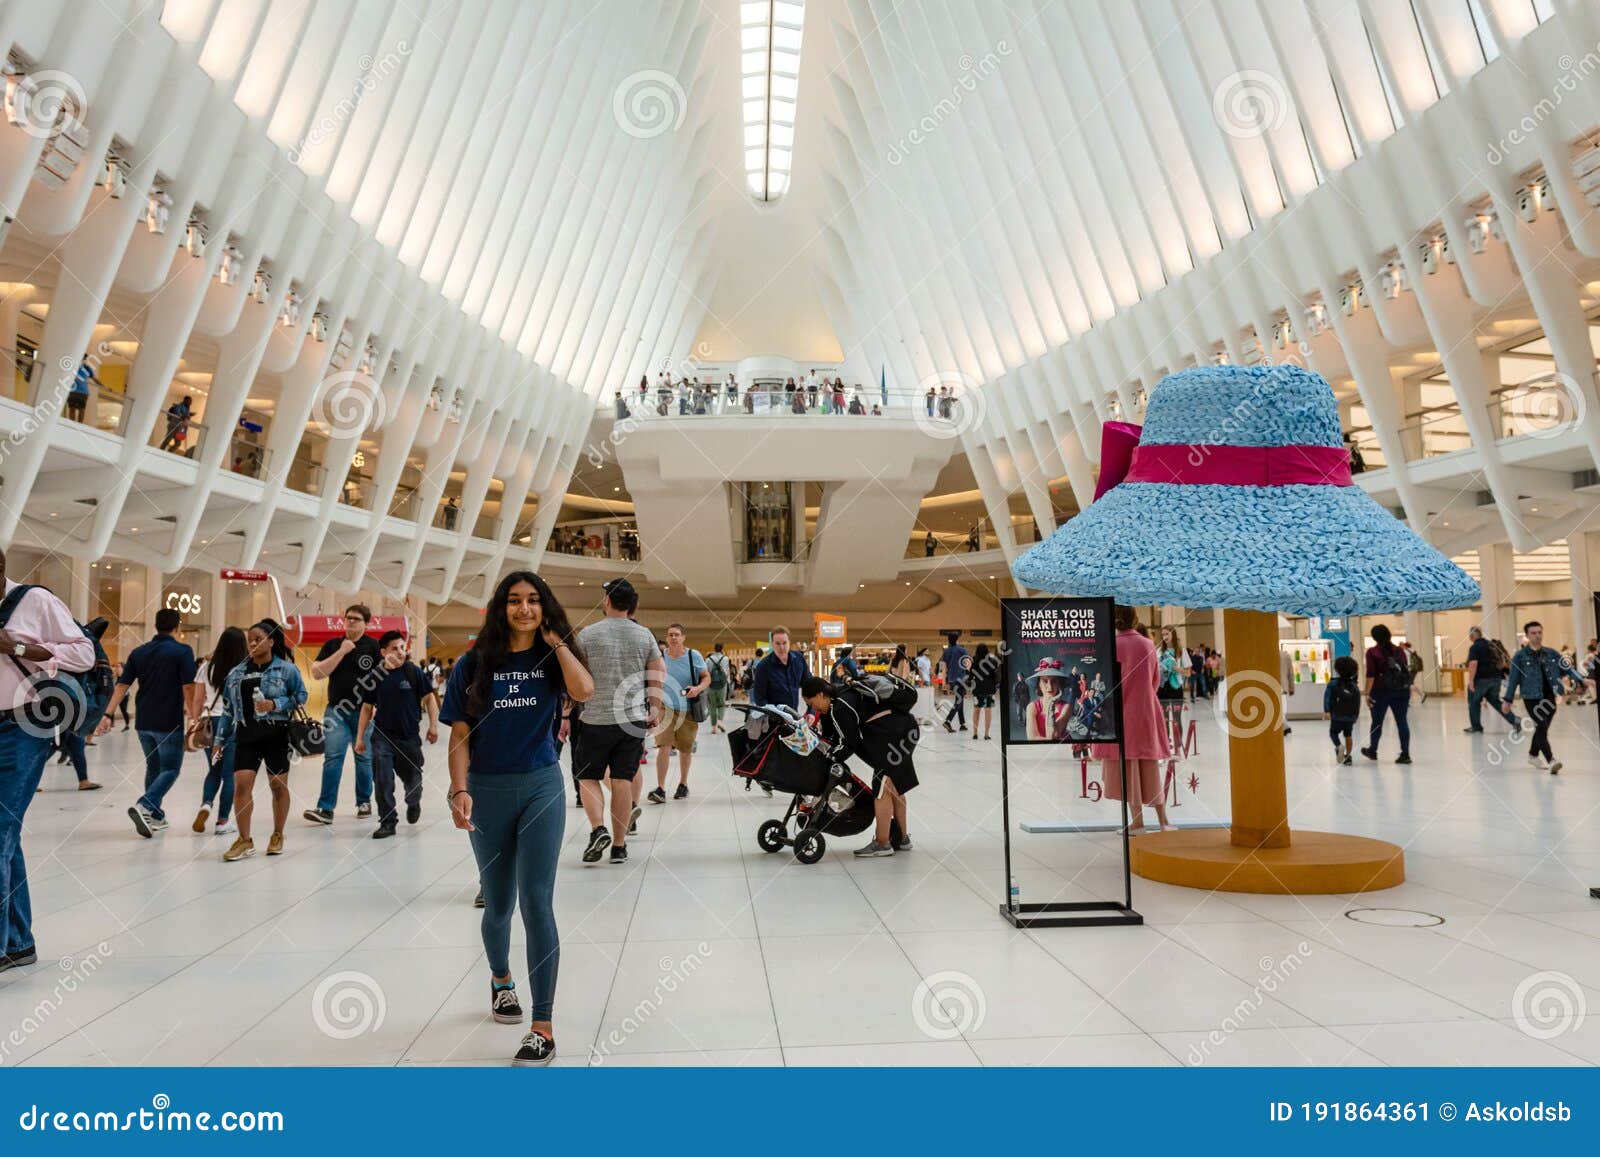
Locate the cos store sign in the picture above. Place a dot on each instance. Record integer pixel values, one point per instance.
(182, 602)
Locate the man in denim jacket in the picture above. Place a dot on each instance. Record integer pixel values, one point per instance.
(1537, 671)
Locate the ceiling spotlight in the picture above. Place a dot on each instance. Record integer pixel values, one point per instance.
(289, 315)
(158, 211)
(115, 180)
(1392, 280)
(1316, 318)
(194, 238)
(1220, 358)
(1527, 203)
(436, 398)
(1547, 200)
(319, 326)
(1430, 254)
(1350, 298)
(455, 408)
(261, 287)
(232, 262)
(1478, 232)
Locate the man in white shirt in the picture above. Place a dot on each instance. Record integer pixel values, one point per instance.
(39, 641)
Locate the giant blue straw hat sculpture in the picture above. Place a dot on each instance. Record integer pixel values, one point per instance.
(1239, 495)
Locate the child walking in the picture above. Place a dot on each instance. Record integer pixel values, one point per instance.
(1341, 703)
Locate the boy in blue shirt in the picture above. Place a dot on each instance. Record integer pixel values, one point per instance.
(392, 699)
(1341, 703)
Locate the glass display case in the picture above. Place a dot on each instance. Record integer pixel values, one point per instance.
(1307, 665)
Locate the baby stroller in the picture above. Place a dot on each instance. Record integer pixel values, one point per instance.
(827, 798)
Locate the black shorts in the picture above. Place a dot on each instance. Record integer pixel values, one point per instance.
(270, 747)
(1338, 728)
(890, 745)
(600, 749)
(980, 700)
(1169, 694)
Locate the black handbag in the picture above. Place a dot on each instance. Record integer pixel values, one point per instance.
(305, 733)
(698, 710)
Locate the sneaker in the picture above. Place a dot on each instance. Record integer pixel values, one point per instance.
(157, 823)
(22, 959)
(963, 727)
(1536, 761)
(142, 822)
(904, 845)
(599, 841)
(537, 1050)
(503, 1003)
(478, 901)
(275, 844)
(317, 815)
(619, 854)
(950, 729)
(363, 811)
(200, 818)
(1404, 757)
(1555, 766)
(682, 792)
(241, 849)
(657, 795)
(1472, 730)
(383, 831)
(1370, 752)
(633, 820)
(413, 812)
(224, 827)
(873, 849)
(1346, 761)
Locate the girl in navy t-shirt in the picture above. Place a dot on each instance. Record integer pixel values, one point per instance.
(503, 707)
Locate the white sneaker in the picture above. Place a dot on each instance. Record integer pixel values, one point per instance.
(225, 828)
(1536, 761)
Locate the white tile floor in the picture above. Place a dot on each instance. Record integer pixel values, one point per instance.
(704, 950)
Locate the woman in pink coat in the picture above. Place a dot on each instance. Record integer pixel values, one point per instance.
(1144, 728)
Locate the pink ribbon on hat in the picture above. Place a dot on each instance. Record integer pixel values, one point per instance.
(1122, 459)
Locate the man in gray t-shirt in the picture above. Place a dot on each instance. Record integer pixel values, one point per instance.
(627, 669)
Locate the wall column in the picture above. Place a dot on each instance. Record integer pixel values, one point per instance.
(1497, 577)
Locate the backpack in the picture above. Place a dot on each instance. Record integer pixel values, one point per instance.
(1344, 699)
(1396, 671)
(73, 701)
(888, 691)
(718, 665)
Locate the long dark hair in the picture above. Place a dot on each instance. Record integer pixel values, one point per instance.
(1381, 636)
(493, 644)
(274, 631)
(230, 651)
(900, 656)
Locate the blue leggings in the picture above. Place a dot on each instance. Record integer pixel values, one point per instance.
(519, 821)
(219, 778)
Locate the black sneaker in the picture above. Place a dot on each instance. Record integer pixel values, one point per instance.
(1345, 760)
(383, 832)
(478, 901)
(1370, 752)
(682, 792)
(537, 1050)
(413, 812)
(599, 841)
(141, 822)
(317, 815)
(503, 1004)
(619, 854)
(1472, 730)
(363, 811)
(1403, 758)
(657, 795)
(10, 960)
(633, 820)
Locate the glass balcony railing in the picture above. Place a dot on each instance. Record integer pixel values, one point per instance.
(1543, 408)
(249, 457)
(179, 435)
(448, 516)
(403, 503)
(939, 545)
(356, 491)
(771, 400)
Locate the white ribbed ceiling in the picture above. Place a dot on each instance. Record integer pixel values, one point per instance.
(974, 184)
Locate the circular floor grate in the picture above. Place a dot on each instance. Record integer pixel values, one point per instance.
(1394, 917)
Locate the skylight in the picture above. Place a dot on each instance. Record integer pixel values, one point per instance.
(769, 37)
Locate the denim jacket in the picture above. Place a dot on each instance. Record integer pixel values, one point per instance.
(280, 682)
(1526, 667)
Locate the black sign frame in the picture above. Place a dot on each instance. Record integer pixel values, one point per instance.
(1102, 638)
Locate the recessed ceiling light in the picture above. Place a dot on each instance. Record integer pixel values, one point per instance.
(53, 514)
(136, 530)
(616, 490)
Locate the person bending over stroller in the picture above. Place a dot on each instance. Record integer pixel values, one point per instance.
(857, 724)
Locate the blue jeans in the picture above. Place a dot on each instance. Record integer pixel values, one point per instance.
(518, 822)
(338, 733)
(1386, 702)
(219, 778)
(22, 760)
(1486, 689)
(163, 760)
(73, 744)
(391, 757)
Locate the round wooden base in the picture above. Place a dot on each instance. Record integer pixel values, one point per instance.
(1315, 863)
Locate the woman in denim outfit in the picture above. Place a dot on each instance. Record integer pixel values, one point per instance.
(259, 697)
